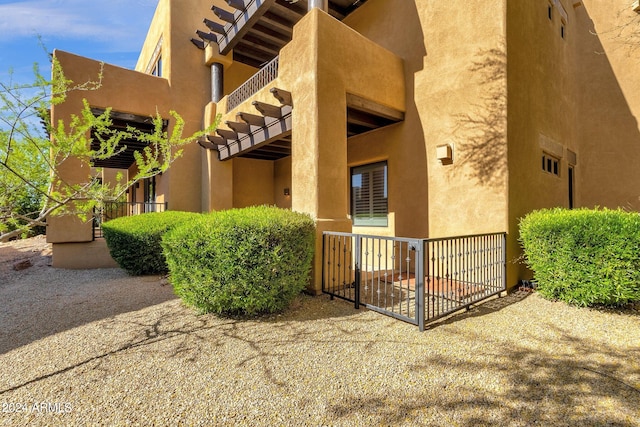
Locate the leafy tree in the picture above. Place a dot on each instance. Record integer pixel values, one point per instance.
(32, 150)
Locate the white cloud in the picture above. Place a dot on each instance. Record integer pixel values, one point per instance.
(123, 23)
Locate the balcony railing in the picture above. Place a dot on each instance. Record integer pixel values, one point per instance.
(266, 75)
(113, 210)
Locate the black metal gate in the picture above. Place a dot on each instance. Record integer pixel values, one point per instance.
(414, 280)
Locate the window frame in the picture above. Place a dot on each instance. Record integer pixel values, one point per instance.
(374, 217)
(551, 164)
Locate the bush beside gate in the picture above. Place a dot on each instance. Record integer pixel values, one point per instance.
(134, 241)
(241, 261)
(584, 257)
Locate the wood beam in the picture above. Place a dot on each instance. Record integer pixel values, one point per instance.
(252, 119)
(199, 43)
(217, 140)
(208, 145)
(227, 134)
(271, 35)
(260, 45)
(286, 12)
(207, 36)
(282, 95)
(238, 4)
(268, 109)
(265, 135)
(368, 106)
(239, 127)
(278, 23)
(223, 14)
(239, 57)
(245, 20)
(258, 56)
(214, 26)
(363, 119)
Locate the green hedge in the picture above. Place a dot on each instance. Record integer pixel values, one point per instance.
(134, 241)
(584, 257)
(241, 261)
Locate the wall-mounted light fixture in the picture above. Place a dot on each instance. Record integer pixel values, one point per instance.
(444, 153)
(287, 192)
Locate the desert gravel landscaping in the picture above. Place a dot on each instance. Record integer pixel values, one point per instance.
(81, 347)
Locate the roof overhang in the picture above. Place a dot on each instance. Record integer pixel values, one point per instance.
(121, 122)
(256, 30)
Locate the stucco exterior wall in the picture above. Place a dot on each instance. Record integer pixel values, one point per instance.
(440, 43)
(577, 94)
(282, 181)
(253, 182)
(541, 112)
(495, 80)
(608, 103)
(144, 96)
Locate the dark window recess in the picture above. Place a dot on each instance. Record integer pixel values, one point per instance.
(571, 188)
(562, 32)
(369, 205)
(550, 164)
(550, 12)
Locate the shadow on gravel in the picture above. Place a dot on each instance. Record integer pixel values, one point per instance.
(481, 309)
(43, 301)
(524, 385)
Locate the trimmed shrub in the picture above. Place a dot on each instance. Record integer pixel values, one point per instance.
(584, 257)
(241, 261)
(134, 241)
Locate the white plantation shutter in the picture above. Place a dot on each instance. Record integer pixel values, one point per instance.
(369, 204)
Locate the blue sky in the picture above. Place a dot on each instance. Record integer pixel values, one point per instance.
(109, 30)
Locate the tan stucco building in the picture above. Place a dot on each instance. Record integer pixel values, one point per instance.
(418, 118)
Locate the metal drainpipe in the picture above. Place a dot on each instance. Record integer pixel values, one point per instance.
(217, 81)
(320, 4)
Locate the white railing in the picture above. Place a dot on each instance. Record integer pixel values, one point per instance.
(259, 80)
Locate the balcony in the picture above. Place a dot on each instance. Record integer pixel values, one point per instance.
(256, 30)
(259, 80)
(354, 87)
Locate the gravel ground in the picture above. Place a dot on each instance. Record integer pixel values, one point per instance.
(101, 348)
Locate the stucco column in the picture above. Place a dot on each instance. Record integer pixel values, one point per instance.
(319, 172)
(217, 176)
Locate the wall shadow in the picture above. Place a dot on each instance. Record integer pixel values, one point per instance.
(481, 132)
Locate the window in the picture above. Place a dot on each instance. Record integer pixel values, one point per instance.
(154, 66)
(551, 164)
(369, 205)
(157, 68)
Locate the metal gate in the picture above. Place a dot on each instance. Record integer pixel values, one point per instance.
(414, 280)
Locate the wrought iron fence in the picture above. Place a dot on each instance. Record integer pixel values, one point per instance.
(263, 77)
(415, 280)
(113, 210)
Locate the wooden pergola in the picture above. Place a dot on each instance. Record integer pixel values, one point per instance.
(120, 122)
(256, 30)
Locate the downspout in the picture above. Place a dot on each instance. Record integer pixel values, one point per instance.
(320, 4)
